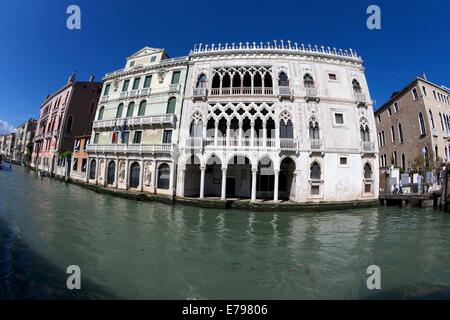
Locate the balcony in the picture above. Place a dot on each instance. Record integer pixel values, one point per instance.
(285, 93)
(159, 120)
(123, 95)
(130, 148)
(174, 88)
(133, 94)
(361, 100)
(237, 143)
(316, 144)
(104, 99)
(368, 146)
(199, 93)
(311, 94)
(244, 91)
(144, 92)
(434, 132)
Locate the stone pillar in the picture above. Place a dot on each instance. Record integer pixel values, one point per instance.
(202, 182)
(264, 135)
(216, 132)
(88, 168)
(97, 164)
(141, 176)
(254, 173)
(154, 175)
(224, 184)
(127, 171)
(296, 179)
(105, 173)
(240, 134)
(116, 174)
(277, 135)
(172, 175)
(180, 183)
(228, 134)
(252, 134)
(275, 191)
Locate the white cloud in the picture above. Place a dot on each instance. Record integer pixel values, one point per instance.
(6, 128)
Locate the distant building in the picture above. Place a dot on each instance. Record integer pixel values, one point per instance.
(7, 145)
(24, 141)
(79, 158)
(64, 115)
(414, 122)
(134, 137)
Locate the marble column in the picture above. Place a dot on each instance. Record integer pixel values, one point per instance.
(276, 183)
(254, 176)
(224, 184)
(202, 182)
(141, 176)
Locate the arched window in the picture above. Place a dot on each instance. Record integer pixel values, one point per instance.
(130, 110)
(403, 161)
(367, 171)
(283, 80)
(426, 153)
(314, 129)
(111, 174)
(315, 171)
(196, 129)
(142, 108)
(268, 80)
(119, 111)
(436, 152)
(308, 81)
(257, 80)
(171, 105)
(364, 130)
(216, 81)
(164, 176)
(400, 132)
(134, 175)
(421, 124)
(92, 169)
(286, 130)
(356, 86)
(431, 118)
(100, 113)
(69, 125)
(202, 81)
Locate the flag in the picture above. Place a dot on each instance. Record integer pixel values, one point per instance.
(114, 134)
(124, 129)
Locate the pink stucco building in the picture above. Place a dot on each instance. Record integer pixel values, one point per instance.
(64, 114)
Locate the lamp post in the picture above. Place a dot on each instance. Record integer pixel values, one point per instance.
(424, 152)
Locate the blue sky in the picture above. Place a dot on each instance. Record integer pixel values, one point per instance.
(38, 52)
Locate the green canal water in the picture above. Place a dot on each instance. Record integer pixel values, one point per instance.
(135, 250)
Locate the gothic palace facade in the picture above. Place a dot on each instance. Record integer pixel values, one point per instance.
(259, 121)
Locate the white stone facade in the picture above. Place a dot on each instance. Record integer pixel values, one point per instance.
(277, 121)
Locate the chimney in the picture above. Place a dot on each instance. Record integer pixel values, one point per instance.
(424, 76)
(92, 78)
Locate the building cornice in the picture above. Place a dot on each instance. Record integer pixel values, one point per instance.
(280, 48)
(139, 69)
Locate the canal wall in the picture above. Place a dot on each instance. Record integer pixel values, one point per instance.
(267, 206)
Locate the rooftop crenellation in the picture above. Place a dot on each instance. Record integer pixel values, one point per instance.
(275, 45)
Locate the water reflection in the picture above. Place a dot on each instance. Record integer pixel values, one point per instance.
(129, 249)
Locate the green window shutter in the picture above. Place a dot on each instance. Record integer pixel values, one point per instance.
(130, 109)
(100, 113)
(126, 83)
(96, 137)
(147, 81)
(136, 83)
(107, 87)
(119, 111)
(171, 105)
(142, 108)
(176, 77)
